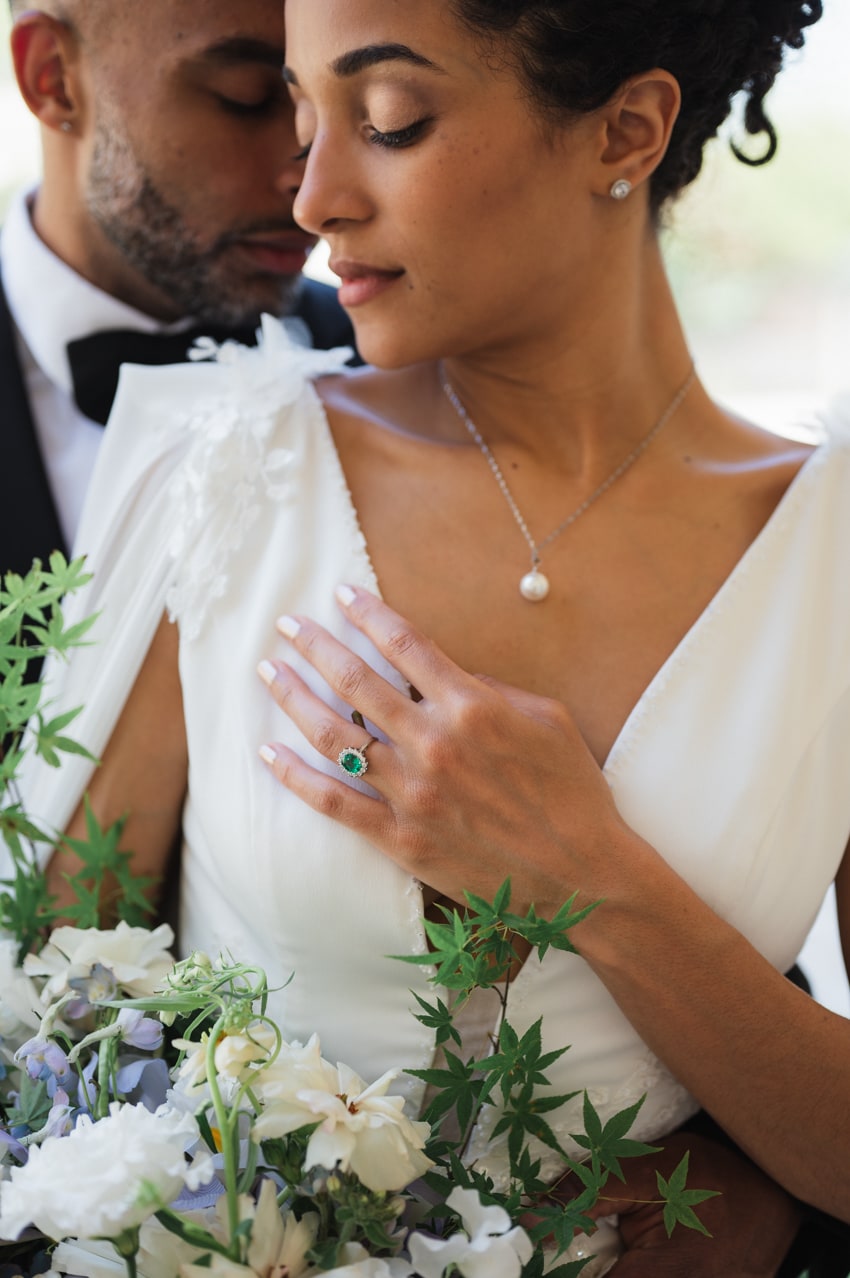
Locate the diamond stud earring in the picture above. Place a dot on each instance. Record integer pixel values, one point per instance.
(621, 190)
(65, 126)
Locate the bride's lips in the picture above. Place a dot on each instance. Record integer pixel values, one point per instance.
(361, 283)
(278, 254)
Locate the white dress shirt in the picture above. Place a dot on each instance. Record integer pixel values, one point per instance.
(51, 305)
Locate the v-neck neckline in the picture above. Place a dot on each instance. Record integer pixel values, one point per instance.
(652, 689)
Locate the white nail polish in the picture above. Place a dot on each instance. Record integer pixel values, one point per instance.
(288, 626)
(345, 595)
(267, 672)
(268, 754)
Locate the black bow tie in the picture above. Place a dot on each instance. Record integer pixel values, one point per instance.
(96, 360)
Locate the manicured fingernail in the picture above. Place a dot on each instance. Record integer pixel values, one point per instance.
(288, 626)
(268, 754)
(345, 595)
(267, 672)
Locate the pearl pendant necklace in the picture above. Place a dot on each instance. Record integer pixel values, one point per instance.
(534, 585)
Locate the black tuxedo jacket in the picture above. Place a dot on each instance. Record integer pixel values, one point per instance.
(29, 525)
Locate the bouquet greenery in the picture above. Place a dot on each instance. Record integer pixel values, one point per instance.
(153, 1118)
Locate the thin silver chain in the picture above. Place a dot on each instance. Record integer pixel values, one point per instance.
(626, 464)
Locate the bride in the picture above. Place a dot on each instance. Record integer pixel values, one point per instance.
(597, 628)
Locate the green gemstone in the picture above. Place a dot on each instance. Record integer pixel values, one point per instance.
(352, 762)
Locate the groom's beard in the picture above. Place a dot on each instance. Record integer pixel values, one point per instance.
(205, 280)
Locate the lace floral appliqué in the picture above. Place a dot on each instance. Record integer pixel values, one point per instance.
(242, 446)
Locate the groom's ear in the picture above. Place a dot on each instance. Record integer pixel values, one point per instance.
(637, 125)
(46, 58)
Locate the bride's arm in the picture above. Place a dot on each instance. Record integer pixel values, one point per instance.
(770, 1064)
(143, 772)
(477, 783)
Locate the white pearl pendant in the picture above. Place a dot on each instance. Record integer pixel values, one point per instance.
(534, 586)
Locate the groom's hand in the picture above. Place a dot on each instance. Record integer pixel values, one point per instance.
(753, 1221)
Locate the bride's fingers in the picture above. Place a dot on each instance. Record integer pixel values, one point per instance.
(416, 657)
(350, 677)
(332, 736)
(332, 798)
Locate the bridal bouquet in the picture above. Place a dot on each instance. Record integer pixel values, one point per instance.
(154, 1119)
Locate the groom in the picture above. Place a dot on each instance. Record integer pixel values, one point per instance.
(170, 169)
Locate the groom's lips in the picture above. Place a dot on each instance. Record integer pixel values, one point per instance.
(277, 254)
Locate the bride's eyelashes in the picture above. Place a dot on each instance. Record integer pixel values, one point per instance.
(399, 138)
(394, 139)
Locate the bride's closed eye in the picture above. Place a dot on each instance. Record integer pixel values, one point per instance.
(399, 138)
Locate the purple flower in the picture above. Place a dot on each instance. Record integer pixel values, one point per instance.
(46, 1062)
(95, 984)
(60, 1120)
(139, 1030)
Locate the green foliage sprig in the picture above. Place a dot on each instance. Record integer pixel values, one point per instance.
(33, 628)
(480, 947)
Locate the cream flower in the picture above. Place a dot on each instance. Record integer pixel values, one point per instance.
(136, 957)
(297, 1066)
(361, 1129)
(105, 1177)
(278, 1247)
(487, 1247)
(235, 1056)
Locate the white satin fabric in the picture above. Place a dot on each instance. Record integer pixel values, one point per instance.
(219, 487)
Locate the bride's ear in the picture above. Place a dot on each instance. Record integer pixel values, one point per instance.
(637, 125)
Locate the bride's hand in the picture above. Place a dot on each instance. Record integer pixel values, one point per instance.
(474, 783)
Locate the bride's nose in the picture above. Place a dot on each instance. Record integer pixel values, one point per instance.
(333, 189)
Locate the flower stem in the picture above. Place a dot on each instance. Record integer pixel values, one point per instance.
(224, 1122)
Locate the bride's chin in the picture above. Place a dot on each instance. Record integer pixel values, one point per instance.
(382, 348)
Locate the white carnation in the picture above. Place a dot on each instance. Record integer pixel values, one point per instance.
(105, 1177)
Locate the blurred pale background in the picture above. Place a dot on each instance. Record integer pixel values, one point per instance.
(760, 261)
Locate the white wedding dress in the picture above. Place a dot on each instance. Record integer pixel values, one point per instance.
(219, 490)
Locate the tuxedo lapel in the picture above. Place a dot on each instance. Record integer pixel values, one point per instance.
(29, 525)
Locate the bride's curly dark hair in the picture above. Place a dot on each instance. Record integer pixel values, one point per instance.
(573, 56)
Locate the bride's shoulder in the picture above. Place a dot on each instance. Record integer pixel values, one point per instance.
(226, 376)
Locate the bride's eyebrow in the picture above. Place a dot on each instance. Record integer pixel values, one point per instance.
(357, 60)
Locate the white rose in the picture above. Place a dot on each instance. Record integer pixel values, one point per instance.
(137, 957)
(489, 1247)
(361, 1129)
(104, 1178)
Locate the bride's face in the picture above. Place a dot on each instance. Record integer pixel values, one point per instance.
(448, 204)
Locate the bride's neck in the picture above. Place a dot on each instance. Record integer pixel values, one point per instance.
(592, 388)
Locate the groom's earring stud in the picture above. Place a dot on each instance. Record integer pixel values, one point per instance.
(621, 190)
(66, 126)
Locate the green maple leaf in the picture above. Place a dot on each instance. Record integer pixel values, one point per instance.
(680, 1201)
(608, 1144)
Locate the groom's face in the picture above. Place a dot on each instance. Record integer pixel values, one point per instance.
(190, 172)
